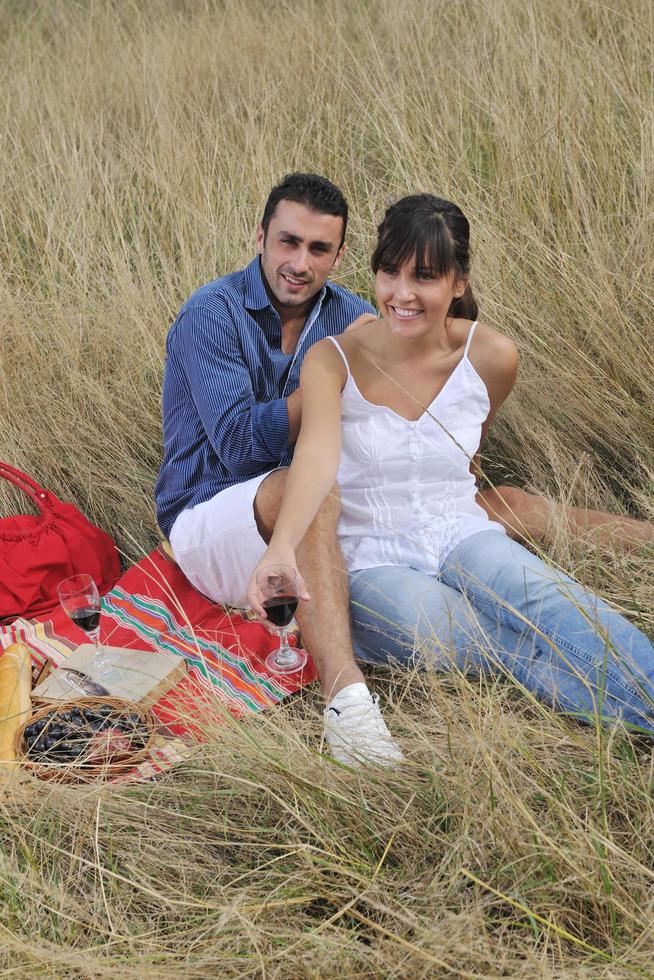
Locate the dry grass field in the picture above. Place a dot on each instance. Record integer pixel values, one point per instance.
(138, 142)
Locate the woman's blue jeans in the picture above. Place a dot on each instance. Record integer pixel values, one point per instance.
(496, 608)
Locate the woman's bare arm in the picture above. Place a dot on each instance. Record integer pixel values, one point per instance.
(312, 475)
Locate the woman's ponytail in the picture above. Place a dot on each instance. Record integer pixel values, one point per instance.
(465, 306)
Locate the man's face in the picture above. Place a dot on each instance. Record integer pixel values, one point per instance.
(298, 252)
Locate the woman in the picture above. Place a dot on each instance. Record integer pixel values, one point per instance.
(393, 413)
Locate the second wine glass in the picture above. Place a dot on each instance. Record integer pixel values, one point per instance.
(279, 589)
(81, 600)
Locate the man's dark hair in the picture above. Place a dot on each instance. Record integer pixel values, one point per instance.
(313, 191)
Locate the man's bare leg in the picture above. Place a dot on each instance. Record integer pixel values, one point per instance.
(528, 517)
(325, 619)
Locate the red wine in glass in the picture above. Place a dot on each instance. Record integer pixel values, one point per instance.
(87, 618)
(281, 609)
(278, 587)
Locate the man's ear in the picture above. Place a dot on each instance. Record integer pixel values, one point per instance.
(260, 237)
(339, 255)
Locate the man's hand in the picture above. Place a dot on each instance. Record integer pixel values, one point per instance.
(360, 320)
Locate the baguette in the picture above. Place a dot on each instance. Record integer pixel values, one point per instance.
(15, 703)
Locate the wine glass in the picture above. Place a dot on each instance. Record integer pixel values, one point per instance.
(80, 599)
(278, 586)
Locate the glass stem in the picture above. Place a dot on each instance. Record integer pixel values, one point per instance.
(94, 637)
(284, 649)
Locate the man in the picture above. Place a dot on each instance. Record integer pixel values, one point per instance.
(231, 415)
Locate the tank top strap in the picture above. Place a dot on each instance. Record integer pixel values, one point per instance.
(469, 340)
(342, 353)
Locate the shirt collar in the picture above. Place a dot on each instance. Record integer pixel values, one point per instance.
(256, 297)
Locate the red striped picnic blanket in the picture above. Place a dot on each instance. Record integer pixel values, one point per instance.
(153, 607)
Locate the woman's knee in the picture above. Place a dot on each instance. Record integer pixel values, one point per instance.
(384, 614)
(401, 614)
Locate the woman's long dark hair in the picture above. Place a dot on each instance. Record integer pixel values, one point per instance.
(433, 232)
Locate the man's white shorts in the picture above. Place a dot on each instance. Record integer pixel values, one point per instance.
(217, 544)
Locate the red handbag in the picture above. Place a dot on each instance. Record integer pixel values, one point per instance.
(37, 552)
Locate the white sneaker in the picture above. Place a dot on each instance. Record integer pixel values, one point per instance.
(356, 731)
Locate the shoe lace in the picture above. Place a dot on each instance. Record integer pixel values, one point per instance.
(365, 714)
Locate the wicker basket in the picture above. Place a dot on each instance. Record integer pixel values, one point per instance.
(92, 770)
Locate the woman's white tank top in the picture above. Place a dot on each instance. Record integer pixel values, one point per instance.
(407, 493)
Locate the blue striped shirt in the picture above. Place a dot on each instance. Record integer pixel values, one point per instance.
(226, 382)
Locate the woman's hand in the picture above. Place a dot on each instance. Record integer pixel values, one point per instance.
(275, 555)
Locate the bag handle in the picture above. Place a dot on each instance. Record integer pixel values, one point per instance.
(24, 483)
(36, 493)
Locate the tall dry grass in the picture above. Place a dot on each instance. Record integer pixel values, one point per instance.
(138, 143)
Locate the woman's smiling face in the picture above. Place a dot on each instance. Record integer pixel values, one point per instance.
(412, 300)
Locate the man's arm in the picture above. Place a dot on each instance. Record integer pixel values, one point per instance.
(246, 434)
(294, 411)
